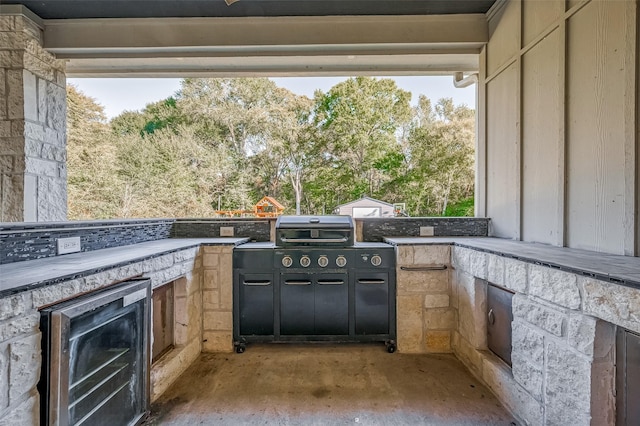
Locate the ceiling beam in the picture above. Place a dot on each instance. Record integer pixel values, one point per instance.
(344, 45)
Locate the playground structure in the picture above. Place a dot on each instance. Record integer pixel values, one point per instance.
(266, 207)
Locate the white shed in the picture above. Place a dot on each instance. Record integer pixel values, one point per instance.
(366, 207)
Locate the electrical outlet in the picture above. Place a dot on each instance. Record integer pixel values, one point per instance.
(426, 231)
(68, 245)
(226, 231)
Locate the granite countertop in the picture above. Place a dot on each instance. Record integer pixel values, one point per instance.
(624, 270)
(19, 276)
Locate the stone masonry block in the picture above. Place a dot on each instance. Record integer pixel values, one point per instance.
(217, 321)
(27, 323)
(432, 254)
(499, 379)
(211, 299)
(495, 269)
(210, 260)
(210, 280)
(527, 343)
(42, 101)
(611, 302)
(15, 94)
(4, 377)
(438, 341)
(439, 319)
(429, 281)
(218, 341)
(226, 268)
(185, 255)
(515, 275)
(212, 249)
(436, 301)
(467, 354)
(581, 332)
(53, 293)
(27, 413)
(24, 366)
(528, 375)
(404, 255)
(540, 315)
(568, 386)
(13, 306)
(460, 258)
(409, 323)
(478, 264)
(556, 286)
(30, 87)
(472, 305)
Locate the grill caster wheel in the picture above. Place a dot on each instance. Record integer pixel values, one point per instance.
(391, 347)
(240, 348)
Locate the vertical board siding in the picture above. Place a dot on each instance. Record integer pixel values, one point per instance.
(502, 150)
(537, 16)
(595, 128)
(541, 115)
(504, 43)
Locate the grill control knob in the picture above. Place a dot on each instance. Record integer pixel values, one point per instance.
(287, 261)
(323, 261)
(376, 260)
(305, 261)
(341, 261)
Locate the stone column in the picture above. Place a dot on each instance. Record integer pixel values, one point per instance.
(33, 174)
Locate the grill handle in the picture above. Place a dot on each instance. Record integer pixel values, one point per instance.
(259, 282)
(371, 281)
(424, 268)
(314, 240)
(330, 282)
(294, 282)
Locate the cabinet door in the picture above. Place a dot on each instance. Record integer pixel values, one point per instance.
(372, 303)
(331, 304)
(296, 304)
(499, 318)
(256, 304)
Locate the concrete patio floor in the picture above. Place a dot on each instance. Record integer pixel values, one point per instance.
(324, 384)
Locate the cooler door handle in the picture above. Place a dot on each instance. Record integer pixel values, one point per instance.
(257, 282)
(314, 240)
(371, 281)
(294, 282)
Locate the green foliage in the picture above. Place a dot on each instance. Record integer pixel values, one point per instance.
(463, 208)
(232, 141)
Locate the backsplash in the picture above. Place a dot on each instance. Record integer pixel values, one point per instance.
(29, 241)
(258, 230)
(374, 229)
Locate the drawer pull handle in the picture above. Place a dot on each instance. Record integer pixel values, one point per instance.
(371, 281)
(263, 282)
(491, 317)
(330, 282)
(292, 282)
(424, 268)
(314, 240)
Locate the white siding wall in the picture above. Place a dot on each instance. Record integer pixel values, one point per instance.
(558, 150)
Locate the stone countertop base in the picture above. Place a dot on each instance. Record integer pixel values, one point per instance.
(21, 276)
(623, 270)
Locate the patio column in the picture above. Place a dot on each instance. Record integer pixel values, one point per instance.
(33, 174)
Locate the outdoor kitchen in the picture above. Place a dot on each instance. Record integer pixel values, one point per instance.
(527, 313)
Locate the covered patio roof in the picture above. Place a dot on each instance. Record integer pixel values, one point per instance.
(261, 38)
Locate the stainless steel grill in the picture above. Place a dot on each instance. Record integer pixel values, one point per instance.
(314, 284)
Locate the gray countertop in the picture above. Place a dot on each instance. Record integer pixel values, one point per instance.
(623, 270)
(20, 276)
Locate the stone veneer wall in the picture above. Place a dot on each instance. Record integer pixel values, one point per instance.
(255, 229)
(217, 299)
(563, 339)
(376, 229)
(33, 174)
(425, 317)
(20, 358)
(29, 241)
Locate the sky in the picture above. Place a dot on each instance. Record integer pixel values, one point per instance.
(132, 94)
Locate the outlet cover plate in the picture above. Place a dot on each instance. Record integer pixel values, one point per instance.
(226, 231)
(68, 245)
(426, 231)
